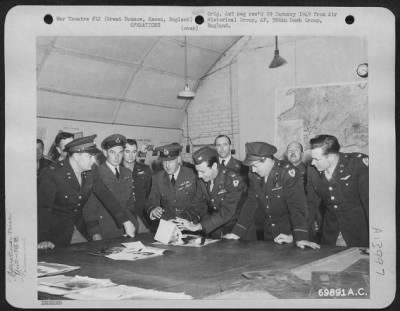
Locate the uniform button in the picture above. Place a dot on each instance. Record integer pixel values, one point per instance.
(212, 200)
(347, 184)
(215, 208)
(75, 210)
(330, 188)
(332, 197)
(278, 196)
(79, 204)
(267, 206)
(266, 197)
(273, 225)
(79, 197)
(66, 197)
(335, 206)
(269, 216)
(101, 217)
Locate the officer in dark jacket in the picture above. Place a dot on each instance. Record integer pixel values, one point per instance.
(223, 146)
(341, 181)
(276, 205)
(64, 189)
(224, 191)
(174, 191)
(99, 222)
(141, 175)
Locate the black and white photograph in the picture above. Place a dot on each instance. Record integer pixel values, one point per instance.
(250, 130)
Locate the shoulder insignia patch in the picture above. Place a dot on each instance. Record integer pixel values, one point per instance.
(235, 182)
(292, 172)
(366, 161)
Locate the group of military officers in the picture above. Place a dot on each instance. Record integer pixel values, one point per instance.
(263, 198)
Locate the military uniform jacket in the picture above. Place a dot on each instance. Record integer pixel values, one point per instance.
(98, 220)
(346, 199)
(61, 199)
(141, 176)
(183, 200)
(224, 201)
(278, 206)
(238, 167)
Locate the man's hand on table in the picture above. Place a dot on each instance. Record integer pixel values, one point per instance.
(283, 238)
(231, 236)
(46, 245)
(97, 237)
(304, 243)
(129, 228)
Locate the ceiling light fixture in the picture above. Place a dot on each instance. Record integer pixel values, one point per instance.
(187, 92)
(277, 61)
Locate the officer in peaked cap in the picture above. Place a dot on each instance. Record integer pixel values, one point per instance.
(63, 190)
(169, 152)
(258, 151)
(276, 205)
(174, 190)
(341, 182)
(224, 191)
(100, 224)
(112, 141)
(82, 145)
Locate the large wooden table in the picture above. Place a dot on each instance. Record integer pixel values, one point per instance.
(200, 272)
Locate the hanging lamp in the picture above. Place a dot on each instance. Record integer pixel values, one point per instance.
(186, 93)
(278, 60)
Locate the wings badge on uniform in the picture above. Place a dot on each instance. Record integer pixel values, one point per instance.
(235, 182)
(292, 172)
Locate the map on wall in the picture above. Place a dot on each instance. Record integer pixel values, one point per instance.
(340, 110)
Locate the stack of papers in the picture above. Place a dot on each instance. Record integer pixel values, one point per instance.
(61, 284)
(47, 268)
(124, 292)
(130, 251)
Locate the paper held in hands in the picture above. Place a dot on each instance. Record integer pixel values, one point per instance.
(168, 233)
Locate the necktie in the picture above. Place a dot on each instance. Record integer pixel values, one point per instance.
(117, 173)
(211, 185)
(173, 180)
(223, 163)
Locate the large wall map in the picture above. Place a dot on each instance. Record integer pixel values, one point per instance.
(339, 110)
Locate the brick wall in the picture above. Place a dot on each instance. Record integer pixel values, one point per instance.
(214, 111)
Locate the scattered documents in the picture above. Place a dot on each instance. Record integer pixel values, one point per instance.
(61, 284)
(124, 292)
(130, 251)
(47, 268)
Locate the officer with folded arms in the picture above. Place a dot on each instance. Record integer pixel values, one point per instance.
(63, 190)
(276, 207)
